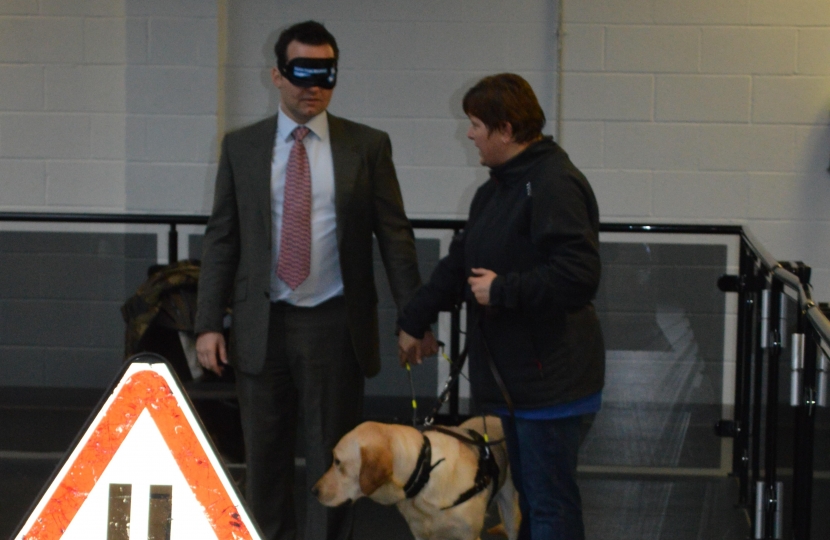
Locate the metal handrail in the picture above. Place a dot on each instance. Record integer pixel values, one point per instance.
(126, 218)
(815, 316)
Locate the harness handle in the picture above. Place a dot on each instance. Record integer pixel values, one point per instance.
(469, 440)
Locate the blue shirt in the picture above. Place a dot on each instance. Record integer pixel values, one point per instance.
(587, 405)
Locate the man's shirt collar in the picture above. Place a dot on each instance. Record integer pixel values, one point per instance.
(319, 126)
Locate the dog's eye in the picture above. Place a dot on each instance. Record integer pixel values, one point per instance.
(336, 462)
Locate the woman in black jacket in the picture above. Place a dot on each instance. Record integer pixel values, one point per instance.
(527, 263)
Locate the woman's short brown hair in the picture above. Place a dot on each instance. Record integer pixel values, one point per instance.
(504, 99)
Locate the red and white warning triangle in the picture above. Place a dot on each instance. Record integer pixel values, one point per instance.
(143, 469)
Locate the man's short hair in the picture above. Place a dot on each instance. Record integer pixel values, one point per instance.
(504, 99)
(307, 33)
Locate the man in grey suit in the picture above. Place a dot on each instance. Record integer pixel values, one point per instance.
(305, 322)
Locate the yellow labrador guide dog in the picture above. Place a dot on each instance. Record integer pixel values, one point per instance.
(441, 484)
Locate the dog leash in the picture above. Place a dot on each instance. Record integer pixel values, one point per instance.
(455, 372)
(412, 392)
(495, 370)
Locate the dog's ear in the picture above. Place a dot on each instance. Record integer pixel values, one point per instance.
(375, 468)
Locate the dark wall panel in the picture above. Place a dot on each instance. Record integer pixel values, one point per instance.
(60, 300)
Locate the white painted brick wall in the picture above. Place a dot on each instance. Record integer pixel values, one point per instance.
(55, 85)
(677, 110)
(715, 12)
(22, 182)
(764, 148)
(744, 50)
(85, 184)
(104, 41)
(688, 195)
(85, 88)
(652, 49)
(813, 52)
(45, 135)
(171, 104)
(40, 39)
(702, 98)
(791, 100)
(734, 127)
(608, 96)
(624, 193)
(585, 143)
(790, 13)
(21, 87)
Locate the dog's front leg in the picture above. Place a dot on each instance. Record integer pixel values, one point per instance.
(507, 500)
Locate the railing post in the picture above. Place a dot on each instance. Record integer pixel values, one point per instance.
(757, 374)
(746, 348)
(172, 244)
(771, 431)
(803, 440)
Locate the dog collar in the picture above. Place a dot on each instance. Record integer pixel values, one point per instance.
(423, 467)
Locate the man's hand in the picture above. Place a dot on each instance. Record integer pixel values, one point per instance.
(409, 349)
(480, 284)
(211, 352)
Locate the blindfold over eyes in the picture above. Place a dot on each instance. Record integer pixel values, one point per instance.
(308, 72)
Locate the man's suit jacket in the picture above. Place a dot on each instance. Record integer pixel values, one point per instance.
(237, 262)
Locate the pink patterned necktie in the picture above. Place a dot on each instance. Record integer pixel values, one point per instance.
(294, 262)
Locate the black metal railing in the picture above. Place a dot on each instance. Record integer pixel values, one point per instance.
(763, 286)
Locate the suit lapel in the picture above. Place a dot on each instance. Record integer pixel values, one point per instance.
(261, 156)
(346, 160)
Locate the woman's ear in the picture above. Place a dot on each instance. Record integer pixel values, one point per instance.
(506, 133)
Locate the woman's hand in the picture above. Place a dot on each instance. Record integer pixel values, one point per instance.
(480, 283)
(409, 349)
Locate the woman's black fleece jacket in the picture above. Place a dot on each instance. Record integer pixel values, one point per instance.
(535, 223)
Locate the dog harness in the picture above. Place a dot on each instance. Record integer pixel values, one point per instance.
(488, 471)
(423, 468)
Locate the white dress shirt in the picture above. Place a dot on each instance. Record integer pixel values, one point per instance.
(324, 280)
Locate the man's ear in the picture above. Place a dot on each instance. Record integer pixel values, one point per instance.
(276, 77)
(375, 468)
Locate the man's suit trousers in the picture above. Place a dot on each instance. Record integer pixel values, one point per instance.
(311, 378)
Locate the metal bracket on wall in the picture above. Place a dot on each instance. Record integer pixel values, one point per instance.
(735, 283)
(727, 428)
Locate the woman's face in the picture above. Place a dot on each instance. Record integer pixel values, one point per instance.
(492, 145)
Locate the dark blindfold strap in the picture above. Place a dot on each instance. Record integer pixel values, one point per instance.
(308, 72)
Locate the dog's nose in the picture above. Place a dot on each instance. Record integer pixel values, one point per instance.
(315, 491)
